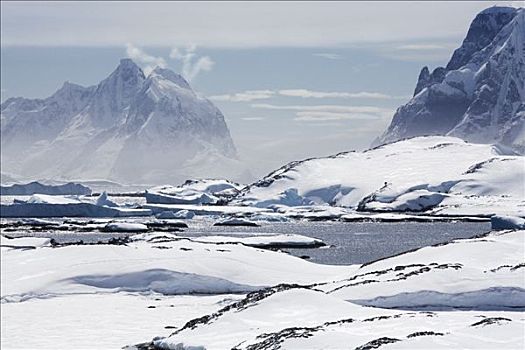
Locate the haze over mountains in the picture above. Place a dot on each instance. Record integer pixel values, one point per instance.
(129, 128)
(155, 129)
(480, 95)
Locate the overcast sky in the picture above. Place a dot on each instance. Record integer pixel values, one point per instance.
(293, 79)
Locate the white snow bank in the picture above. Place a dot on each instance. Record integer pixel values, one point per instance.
(232, 221)
(124, 267)
(101, 321)
(269, 217)
(24, 242)
(500, 222)
(37, 187)
(266, 241)
(125, 227)
(38, 222)
(206, 191)
(487, 270)
(161, 281)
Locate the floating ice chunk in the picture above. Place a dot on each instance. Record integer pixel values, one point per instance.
(103, 200)
(24, 242)
(181, 214)
(267, 241)
(52, 199)
(125, 227)
(270, 217)
(193, 198)
(234, 222)
(184, 214)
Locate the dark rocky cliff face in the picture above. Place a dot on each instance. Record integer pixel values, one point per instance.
(480, 94)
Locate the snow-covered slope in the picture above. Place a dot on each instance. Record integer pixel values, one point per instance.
(129, 128)
(480, 95)
(410, 294)
(292, 303)
(438, 173)
(199, 191)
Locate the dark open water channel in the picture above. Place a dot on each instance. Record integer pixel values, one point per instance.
(348, 243)
(360, 242)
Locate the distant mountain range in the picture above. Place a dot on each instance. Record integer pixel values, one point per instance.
(130, 128)
(480, 95)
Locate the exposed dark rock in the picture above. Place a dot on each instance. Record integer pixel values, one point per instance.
(374, 344)
(423, 333)
(491, 320)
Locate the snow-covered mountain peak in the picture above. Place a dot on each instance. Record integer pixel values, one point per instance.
(129, 128)
(480, 95)
(127, 76)
(167, 74)
(482, 31)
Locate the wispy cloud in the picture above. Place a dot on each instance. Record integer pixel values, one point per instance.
(419, 51)
(245, 96)
(252, 118)
(422, 47)
(252, 95)
(327, 55)
(317, 116)
(304, 93)
(192, 65)
(316, 113)
(148, 62)
(332, 108)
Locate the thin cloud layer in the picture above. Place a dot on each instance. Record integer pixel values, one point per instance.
(230, 24)
(245, 96)
(327, 55)
(316, 116)
(252, 95)
(304, 93)
(326, 113)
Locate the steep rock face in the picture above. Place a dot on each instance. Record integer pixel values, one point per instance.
(480, 95)
(129, 128)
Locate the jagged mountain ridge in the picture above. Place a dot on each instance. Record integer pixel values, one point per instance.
(130, 128)
(480, 95)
